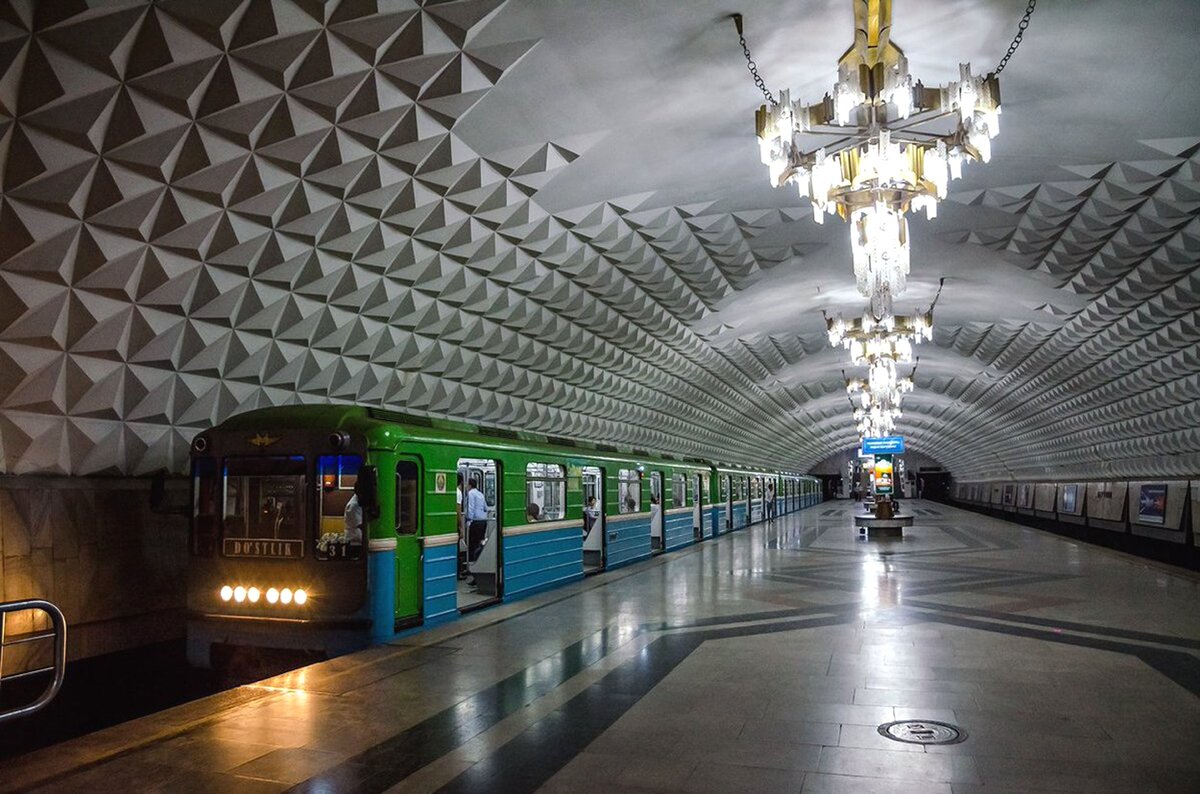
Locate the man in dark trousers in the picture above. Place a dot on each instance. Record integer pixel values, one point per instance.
(476, 512)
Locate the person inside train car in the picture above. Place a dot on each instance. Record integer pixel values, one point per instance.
(630, 504)
(477, 514)
(533, 512)
(655, 507)
(353, 517)
(770, 500)
(460, 528)
(591, 514)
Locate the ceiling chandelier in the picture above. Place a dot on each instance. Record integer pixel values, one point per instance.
(869, 338)
(881, 146)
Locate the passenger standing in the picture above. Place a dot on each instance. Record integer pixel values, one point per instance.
(353, 517)
(477, 514)
(460, 528)
(770, 500)
(590, 515)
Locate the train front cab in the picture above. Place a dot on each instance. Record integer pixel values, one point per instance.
(265, 572)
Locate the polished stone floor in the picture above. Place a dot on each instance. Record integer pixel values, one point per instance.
(761, 661)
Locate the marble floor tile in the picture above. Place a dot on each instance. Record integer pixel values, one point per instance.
(764, 660)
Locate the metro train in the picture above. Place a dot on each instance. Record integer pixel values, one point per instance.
(273, 565)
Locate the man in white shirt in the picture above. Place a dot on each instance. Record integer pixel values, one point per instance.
(476, 515)
(354, 521)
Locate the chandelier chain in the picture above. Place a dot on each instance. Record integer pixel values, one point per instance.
(1016, 42)
(753, 67)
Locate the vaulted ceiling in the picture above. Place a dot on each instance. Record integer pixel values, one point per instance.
(551, 216)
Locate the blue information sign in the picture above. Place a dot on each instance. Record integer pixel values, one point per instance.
(887, 445)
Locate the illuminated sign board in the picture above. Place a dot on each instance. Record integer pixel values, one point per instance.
(887, 445)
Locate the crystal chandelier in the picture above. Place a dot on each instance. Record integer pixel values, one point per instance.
(880, 147)
(879, 344)
(882, 387)
(869, 338)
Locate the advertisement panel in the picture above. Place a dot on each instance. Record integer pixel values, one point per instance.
(1070, 495)
(1152, 503)
(884, 475)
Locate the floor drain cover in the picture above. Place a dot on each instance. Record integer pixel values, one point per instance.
(923, 732)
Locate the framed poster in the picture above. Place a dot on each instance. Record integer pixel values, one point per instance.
(1070, 496)
(1024, 495)
(1152, 503)
(1008, 493)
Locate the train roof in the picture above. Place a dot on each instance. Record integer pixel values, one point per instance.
(364, 419)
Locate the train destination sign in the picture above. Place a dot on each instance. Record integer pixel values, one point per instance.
(250, 547)
(885, 445)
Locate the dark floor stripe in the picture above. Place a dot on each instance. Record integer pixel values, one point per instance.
(394, 759)
(1179, 666)
(1107, 631)
(537, 754)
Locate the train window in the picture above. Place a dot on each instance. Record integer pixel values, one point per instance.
(545, 492)
(263, 500)
(489, 487)
(341, 532)
(629, 490)
(407, 488)
(725, 488)
(204, 507)
(678, 491)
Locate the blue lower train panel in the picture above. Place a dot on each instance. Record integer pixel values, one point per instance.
(626, 542)
(678, 530)
(714, 522)
(739, 516)
(535, 561)
(440, 594)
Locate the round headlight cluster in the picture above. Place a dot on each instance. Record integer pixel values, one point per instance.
(240, 594)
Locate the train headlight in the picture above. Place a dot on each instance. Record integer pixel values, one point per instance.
(301, 597)
(226, 593)
(253, 595)
(285, 595)
(239, 594)
(272, 596)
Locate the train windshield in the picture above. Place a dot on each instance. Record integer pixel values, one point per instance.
(263, 500)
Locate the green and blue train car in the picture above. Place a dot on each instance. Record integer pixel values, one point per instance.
(324, 528)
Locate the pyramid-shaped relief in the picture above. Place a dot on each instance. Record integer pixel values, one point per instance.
(214, 207)
(1113, 389)
(209, 207)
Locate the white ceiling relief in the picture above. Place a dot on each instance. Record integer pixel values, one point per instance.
(550, 216)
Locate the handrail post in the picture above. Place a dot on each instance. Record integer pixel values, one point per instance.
(59, 666)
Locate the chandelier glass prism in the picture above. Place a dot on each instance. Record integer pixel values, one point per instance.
(879, 147)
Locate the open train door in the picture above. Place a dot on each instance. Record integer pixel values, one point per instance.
(483, 583)
(594, 536)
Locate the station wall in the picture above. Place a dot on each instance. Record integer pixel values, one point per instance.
(1154, 518)
(93, 547)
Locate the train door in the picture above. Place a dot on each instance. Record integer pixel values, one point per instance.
(483, 583)
(697, 508)
(593, 519)
(408, 539)
(656, 513)
(748, 486)
(727, 500)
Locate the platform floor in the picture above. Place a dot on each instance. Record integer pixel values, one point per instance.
(761, 661)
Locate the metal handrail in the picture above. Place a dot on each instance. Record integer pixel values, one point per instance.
(59, 666)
